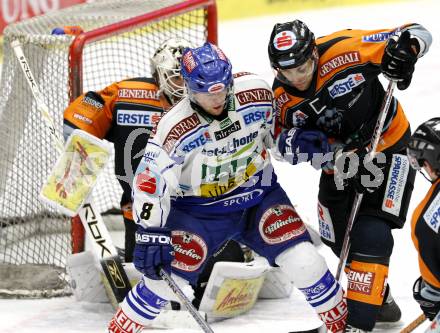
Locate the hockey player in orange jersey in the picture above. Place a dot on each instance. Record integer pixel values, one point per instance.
(330, 86)
(125, 112)
(424, 155)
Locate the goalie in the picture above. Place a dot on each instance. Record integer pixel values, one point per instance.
(125, 113)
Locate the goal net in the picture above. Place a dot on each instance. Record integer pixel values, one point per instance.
(119, 38)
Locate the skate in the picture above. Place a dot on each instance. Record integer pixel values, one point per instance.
(390, 311)
(351, 329)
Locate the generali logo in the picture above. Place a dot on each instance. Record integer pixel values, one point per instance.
(339, 61)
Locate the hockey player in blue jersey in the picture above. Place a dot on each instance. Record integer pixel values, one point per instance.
(206, 177)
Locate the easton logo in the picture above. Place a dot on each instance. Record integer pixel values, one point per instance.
(339, 61)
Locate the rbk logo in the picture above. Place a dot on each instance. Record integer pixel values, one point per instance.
(115, 273)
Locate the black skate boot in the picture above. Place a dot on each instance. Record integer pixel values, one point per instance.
(351, 329)
(390, 311)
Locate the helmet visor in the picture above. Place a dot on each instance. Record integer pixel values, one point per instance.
(415, 163)
(299, 77)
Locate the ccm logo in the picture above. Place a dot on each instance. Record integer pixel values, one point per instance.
(152, 238)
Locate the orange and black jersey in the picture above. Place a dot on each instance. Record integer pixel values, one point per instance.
(123, 113)
(345, 81)
(425, 225)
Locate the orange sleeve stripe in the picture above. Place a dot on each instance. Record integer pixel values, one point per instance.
(284, 101)
(424, 269)
(427, 275)
(398, 127)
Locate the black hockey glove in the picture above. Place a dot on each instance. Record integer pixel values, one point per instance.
(399, 59)
(427, 297)
(330, 121)
(353, 169)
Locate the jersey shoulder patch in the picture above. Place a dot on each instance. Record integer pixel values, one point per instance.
(178, 122)
(432, 214)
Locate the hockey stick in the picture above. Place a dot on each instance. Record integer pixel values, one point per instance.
(414, 324)
(359, 196)
(102, 245)
(179, 293)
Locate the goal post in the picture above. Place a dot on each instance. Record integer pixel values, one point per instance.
(119, 38)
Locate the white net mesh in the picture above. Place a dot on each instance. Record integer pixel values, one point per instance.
(30, 232)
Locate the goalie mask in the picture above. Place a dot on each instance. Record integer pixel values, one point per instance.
(424, 145)
(165, 67)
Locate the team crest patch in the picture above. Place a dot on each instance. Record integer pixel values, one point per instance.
(280, 223)
(190, 251)
(432, 214)
(284, 40)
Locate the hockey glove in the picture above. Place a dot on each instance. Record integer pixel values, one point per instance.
(330, 121)
(297, 145)
(353, 169)
(427, 297)
(153, 250)
(399, 59)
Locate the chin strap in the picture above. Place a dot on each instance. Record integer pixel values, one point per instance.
(428, 178)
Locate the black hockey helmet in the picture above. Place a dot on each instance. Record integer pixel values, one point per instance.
(424, 145)
(290, 45)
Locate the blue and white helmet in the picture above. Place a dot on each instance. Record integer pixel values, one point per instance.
(206, 69)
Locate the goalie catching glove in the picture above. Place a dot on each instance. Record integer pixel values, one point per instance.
(153, 250)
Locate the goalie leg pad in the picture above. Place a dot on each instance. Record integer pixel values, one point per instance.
(85, 278)
(309, 271)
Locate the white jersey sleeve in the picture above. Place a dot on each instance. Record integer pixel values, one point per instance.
(158, 173)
